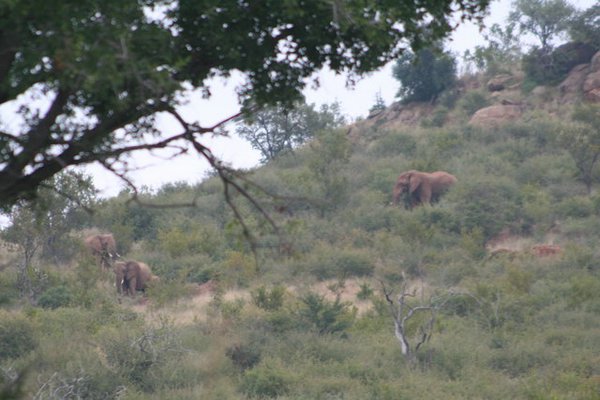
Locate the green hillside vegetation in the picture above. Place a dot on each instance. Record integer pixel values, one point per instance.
(300, 311)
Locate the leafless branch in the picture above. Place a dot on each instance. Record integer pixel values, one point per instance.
(401, 312)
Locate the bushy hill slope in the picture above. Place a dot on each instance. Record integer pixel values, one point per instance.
(305, 317)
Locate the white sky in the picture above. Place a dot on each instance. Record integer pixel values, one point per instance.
(154, 171)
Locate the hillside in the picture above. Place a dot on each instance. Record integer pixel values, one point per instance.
(502, 274)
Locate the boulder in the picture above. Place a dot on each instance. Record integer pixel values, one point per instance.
(499, 82)
(540, 91)
(591, 83)
(570, 88)
(496, 114)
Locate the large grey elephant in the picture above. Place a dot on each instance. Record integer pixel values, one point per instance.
(422, 187)
(132, 276)
(103, 247)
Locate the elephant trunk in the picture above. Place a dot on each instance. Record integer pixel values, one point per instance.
(397, 193)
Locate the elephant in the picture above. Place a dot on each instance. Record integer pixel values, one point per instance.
(132, 276)
(103, 247)
(422, 187)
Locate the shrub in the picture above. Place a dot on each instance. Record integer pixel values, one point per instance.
(16, 336)
(229, 309)
(473, 101)
(365, 292)
(237, 268)
(354, 263)
(203, 275)
(448, 363)
(243, 356)
(81, 384)
(330, 264)
(266, 381)
(58, 296)
(516, 362)
(445, 143)
(437, 118)
(583, 288)
(269, 300)
(488, 204)
(180, 241)
(283, 321)
(395, 143)
(575, 207)
(326, 316)
(135, 354)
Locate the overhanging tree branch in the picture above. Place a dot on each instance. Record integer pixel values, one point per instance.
(107, 76)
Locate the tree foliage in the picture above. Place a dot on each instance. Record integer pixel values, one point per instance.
(40, 228)
(585, 26)
(425, 74)
(502, 49)
(545, 19)
(379, 104)
(581, 138)
(277, 130)
(327, 164)
(94, 75)
(42, 225)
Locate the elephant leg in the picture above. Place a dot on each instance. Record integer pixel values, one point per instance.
(119, 284)
(425, 194)
(132, 285)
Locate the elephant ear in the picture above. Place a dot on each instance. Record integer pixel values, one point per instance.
(415, 182)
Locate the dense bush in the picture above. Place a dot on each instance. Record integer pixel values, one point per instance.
(394, 143)
(16, 336)
(490, 205)
(270, 300)
(327, 317)
(266, 380)
(473, 101)
(341, 263)
(137, 354)
(437, 119)
(243, 356)
(59, 296)
(577, 207)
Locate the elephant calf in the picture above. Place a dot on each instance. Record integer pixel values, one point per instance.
(132, 276)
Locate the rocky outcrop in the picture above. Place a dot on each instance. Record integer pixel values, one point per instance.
(583, 81)
(394, 117)
(591, 84)
(499, 82)
(570, 88)
(496, 114)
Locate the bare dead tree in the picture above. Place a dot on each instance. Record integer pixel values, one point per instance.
(403, 310)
